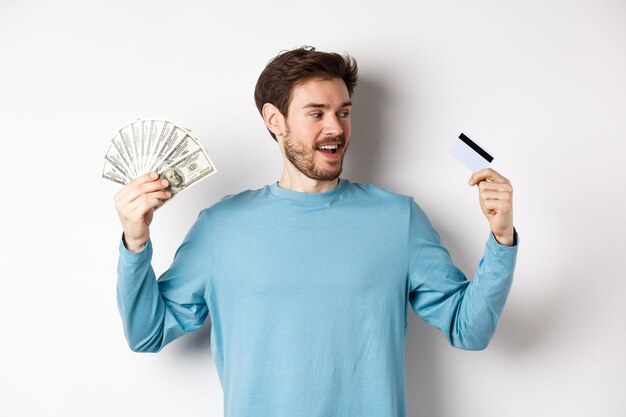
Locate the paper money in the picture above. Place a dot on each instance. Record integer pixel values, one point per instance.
(147, 145)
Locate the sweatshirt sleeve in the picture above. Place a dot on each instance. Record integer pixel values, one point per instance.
(466, 312)
(155, 312)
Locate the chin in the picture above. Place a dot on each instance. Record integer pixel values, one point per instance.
(326, 175)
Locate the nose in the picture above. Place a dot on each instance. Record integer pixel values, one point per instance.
(333, 126)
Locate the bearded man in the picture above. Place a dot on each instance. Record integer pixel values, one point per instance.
(307, 280)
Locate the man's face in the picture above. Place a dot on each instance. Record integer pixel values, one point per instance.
(318, 116)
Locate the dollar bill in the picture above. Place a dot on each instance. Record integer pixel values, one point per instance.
(118, 149)
(162, 132)
(151, 140)
(111, 173)
(185, 172)
(126, 136)
(173, 137)
(162, 146)
(117, 162)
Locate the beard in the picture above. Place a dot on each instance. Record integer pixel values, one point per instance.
(303, 159)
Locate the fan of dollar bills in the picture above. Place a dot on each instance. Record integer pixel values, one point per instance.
(148, 145)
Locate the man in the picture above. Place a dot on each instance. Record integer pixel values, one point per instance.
(308, 311)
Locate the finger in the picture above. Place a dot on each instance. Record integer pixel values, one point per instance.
(495, 195)
(494, 186)
(140, 206)
(147, 177)
(487, 174)
(498, 206)
(143, 188)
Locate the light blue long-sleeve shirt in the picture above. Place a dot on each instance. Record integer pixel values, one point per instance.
(308, 297)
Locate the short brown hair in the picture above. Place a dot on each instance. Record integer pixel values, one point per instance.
(291, 68)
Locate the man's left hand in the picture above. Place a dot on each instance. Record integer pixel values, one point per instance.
(496, 201)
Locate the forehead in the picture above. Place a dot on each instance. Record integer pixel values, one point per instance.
(332, 92)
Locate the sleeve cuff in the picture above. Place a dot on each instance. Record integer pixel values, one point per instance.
(129, 257)
(499, 249)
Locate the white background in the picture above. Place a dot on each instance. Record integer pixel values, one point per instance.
(541, 84)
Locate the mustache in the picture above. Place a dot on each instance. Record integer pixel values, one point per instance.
(340, 139)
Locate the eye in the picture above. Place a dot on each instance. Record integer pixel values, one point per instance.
(344, 114)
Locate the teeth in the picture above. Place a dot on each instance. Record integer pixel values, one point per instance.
(329, 147)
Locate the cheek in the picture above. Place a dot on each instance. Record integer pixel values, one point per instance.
(307, 134)
(300, 128)
(347, 130)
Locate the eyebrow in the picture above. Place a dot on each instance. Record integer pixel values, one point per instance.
(325, 106)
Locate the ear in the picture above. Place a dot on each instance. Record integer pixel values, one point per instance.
(274, 120)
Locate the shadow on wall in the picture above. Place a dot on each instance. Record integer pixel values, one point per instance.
(364, 159)
(520, 329)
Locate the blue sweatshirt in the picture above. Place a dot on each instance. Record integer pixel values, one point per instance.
(308, 296)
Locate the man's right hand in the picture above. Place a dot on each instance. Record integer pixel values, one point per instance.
(135, 205)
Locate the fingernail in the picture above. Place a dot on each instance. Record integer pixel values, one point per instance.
(154, 175)
(168, 194)
(164, 182)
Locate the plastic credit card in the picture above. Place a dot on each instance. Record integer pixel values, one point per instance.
(470, 153)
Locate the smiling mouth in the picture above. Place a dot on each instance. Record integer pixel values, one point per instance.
(329, 148)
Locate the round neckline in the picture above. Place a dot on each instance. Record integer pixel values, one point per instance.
(308, 197)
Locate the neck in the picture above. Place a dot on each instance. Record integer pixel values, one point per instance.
(294, 180)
